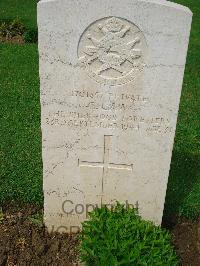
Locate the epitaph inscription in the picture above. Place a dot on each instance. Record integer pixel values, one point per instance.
(112, 51)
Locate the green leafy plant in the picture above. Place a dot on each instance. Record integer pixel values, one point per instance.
(120, 237)
(12, 28)
(30, 36)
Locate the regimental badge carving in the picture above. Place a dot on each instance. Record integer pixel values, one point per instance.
(112, 51)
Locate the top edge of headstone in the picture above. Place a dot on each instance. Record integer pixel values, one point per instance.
(160, 2)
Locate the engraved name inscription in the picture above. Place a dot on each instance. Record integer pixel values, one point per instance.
(86, 109)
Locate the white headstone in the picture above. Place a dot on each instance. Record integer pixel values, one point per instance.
(111, 73)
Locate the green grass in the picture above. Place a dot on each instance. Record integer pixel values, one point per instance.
(25, 10)
(183, 194)
(20, 147)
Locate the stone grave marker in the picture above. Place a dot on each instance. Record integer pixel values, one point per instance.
(111, 73)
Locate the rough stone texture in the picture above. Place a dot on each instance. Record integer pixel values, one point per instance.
(111, 74)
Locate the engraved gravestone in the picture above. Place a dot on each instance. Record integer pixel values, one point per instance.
(111, 74)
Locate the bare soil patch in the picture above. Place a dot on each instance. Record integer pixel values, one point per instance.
(186, 235)
(25, 242)
(13, 40)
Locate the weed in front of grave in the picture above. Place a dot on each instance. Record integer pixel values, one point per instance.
(120, 237)
(12, 28)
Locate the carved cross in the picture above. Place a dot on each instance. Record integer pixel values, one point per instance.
(106, 165)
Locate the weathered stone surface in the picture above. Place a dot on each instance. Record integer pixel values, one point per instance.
(111, 74)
